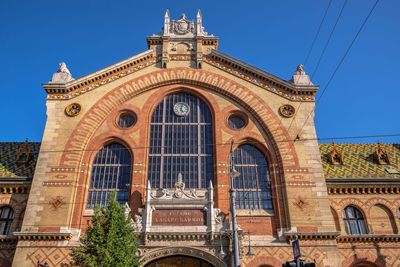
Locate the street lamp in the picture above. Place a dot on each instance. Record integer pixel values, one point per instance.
(234, 174)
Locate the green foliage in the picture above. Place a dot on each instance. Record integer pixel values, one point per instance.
(109, 241)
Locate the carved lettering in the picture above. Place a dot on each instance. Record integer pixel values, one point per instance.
(179, 217)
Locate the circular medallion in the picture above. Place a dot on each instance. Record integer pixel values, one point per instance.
(287, 111)
(181, 109)
(73, 109)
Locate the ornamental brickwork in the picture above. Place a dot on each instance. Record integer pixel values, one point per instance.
(311, 184)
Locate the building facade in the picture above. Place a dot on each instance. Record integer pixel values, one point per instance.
(164, 129)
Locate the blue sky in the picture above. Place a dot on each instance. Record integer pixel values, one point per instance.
(363, 98)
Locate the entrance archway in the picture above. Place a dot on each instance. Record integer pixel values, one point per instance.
(179, 261)
(187, 256)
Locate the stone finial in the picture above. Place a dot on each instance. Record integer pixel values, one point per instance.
(199, 23)
(167, 21)
(63, 75)
(300, 77)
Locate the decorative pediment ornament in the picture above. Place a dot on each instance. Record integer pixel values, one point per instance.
(182, 26)
(63, 75)
(335, 156)
(381, 157)
(180, 192)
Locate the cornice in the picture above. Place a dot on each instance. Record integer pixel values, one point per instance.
(40, 236)
(311, 236)
(14, 187)
(367, 238)
(363, 187)
(87, 83)
(261, 78)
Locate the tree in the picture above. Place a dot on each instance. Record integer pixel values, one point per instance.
(109, 241)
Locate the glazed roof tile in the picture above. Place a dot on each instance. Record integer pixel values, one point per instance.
(358, 161)
(11, 165)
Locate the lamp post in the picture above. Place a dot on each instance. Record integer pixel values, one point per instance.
(234, 174)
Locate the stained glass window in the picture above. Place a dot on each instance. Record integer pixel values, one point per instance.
(354, 221)
(111, 171)
(253, 185)
(181, 138)
(6, 218)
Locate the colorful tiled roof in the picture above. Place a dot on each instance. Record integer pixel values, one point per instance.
(359, 162)
(12, 164)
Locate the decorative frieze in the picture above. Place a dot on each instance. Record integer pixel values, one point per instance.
(39, 236)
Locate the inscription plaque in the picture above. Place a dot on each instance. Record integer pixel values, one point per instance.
(179, 217)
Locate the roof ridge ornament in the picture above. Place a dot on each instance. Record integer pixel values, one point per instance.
(63, 75)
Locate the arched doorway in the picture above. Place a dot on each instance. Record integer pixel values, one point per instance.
(179, 261)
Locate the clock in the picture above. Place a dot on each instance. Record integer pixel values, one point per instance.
(181, 109)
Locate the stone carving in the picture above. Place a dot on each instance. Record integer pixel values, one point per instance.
(180, 192)
(300, 70)
(300, 77)
(73, 110)
(128, 214)
(286, 111)
(182, 26)
(63, 75)
(138, 223)
(219, 216)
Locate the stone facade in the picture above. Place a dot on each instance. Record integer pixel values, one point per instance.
(307, 204)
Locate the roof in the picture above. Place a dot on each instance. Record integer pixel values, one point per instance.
(13, 164)
(358, 161)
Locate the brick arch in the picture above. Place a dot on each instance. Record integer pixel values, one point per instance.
(239, 94)
(362, 259)
(265, 261)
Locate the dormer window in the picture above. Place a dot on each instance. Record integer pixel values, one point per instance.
(335, 157)
(24, 154)
(381, 157)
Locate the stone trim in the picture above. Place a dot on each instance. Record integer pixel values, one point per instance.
(36, 236)
(261, 78)
(15, 189)
(151, 255)
(168, 236)
(367, 238)
(311, 236)
(362, 189)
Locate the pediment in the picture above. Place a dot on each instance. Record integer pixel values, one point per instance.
(230, 65)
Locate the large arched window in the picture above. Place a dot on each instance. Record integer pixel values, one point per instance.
(253, 184)
(6, 218)
(181, 138)
(354, 221)
(111, 171)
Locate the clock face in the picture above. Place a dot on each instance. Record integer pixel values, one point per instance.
(181, 109)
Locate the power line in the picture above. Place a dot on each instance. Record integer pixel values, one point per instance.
(340, 63)
(235, 143)
(317, 34)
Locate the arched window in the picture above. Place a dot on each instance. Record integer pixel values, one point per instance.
(181, 138)
(111, 171)
(6, 218)
(353, 221)
(252, 185)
